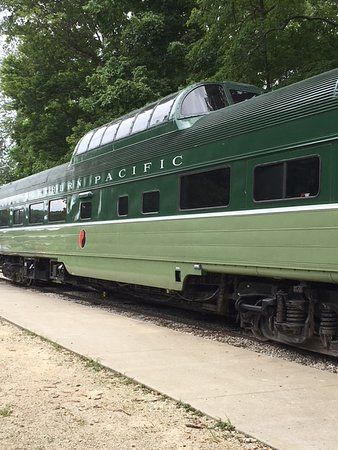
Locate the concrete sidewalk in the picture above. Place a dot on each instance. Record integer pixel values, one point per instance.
(284, 404)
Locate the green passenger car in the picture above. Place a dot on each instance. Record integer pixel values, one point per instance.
(217, 195)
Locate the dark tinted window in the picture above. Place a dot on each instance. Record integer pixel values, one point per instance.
(57, 210)
(122, 205)
(18, 216)
(4, 216)
(302, 178)
(298, 178)
(240, 96)
(151, 202)
(86, 210)
(36, 213)
(269, 182)
(208, 189)
(204, 99)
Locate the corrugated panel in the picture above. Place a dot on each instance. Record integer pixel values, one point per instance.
(306, 98)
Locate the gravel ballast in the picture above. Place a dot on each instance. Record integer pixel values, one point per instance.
(200, 324)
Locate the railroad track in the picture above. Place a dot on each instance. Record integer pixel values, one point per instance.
(203, 324)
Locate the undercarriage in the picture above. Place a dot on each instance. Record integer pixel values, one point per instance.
(299, 313)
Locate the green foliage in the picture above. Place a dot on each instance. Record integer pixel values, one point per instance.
(6, 411)
(224, 425)
(93, 364)
(81, 63)
(44, 78)
(144, 59)
(264, 42)
(74, 65)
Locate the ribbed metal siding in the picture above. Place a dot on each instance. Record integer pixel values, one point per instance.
(300, 100)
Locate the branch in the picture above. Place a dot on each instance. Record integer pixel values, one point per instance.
(290, 19)
(322, 19)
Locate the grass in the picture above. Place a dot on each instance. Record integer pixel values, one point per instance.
(93, 364)
(56, 346)
(224, 425)
(190, 409)
(127, 381)
(6, 411)
(80, 421)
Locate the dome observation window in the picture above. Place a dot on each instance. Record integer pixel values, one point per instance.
(240, 96)
(96, 138)
(162, 111)
(204, 99)
(124, 129)
(110, 133)
(142, 120)
(83, 144)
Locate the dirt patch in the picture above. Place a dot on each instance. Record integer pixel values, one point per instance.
(53, 399)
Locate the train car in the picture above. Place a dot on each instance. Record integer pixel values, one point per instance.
(215, 195)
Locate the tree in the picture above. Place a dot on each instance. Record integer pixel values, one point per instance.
(55, 50)
(6, 165)
(265, 42)
(81, 63)
(143, 59)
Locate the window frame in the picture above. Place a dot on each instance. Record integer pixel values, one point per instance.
(194, 172)
(159, 103)
(91, 133)
(48, 210)
(18, 224)
(89, 148)
(43, 210)
(91, 209)
(283, 161)
(132, 132)
(183, 116)
(117, 205)
(118, 138)
(8, 217)
(159, 202)
(110, 124)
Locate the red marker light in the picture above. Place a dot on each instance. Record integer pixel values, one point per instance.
(82, 238)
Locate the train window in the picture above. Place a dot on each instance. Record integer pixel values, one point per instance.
(296, 178)
(268, 182)
(36, 213)
(204, 99)
(110, 132)
(122, 205)
(241, 96)
(125, 127)
(151, 202)
(4, 216)
(208, 189)
(142, 120)
(57, 210)
(302, 177)
(83, 144)
(96, 138)
(18, 216)
(85, 210)
(162, 111)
